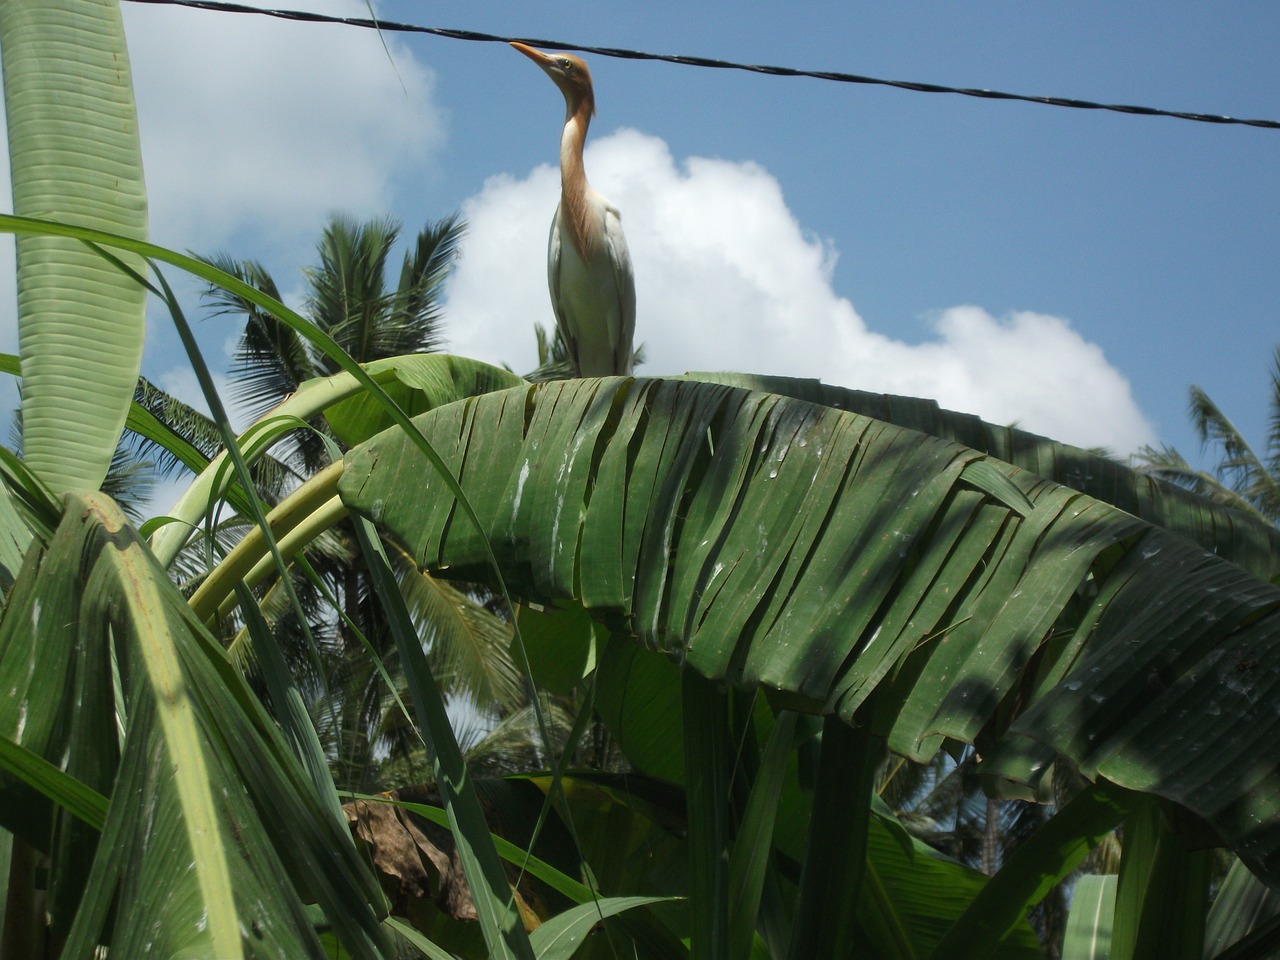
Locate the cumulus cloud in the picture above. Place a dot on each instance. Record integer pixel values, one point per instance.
(254, 130)
(260, 125)
(727, 279)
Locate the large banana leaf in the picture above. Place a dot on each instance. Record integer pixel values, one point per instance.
(74, 157)
(419, 381)
(426, 381)
(1229, 533)
(823, 555)
(214, 839)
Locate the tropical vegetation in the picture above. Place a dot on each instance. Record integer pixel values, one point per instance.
(359, 709)
(1242, 478)
(746, 601)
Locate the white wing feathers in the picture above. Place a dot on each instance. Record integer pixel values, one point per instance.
(594, 300)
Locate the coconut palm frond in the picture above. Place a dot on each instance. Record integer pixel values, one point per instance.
(470, 647)
(414, 323)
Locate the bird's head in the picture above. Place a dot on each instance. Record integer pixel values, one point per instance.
(570, 74)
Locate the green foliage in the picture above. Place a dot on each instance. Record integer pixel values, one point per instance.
(1088, 935)
(751, 590)
(1243, 478)
(74, 156)
(131, 698)
(875, 540)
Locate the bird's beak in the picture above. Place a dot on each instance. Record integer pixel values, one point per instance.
(557, 67)
(537, 56)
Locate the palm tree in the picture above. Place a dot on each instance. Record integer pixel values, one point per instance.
(349, 298)
(1243, 479)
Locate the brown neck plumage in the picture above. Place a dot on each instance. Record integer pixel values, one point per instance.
(574, 189)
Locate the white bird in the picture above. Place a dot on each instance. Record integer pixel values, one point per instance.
(593, 287)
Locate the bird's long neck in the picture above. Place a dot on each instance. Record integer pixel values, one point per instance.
(574, 189)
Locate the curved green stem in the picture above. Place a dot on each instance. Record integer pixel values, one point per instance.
(302, 516)
(204, 491)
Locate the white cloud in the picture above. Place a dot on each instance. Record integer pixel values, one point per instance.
(265, 126)
(728, 280)
(254, 130)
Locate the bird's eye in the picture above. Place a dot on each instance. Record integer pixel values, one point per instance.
(566, 64)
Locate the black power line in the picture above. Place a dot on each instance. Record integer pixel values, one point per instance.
(392, 27)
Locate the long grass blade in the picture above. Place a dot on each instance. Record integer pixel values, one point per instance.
(490, 890)
(69, 793)
(560, 937)
(749, 862)
(707, 774)
(836, 849)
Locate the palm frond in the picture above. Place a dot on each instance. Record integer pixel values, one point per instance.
(414, 321)
(470, 647)
(1240, 468)
(1167, 464)
(129, 481)
(1273, 437)
(180, 417)
(514, 744)
(553, 356)
(348, 297)
(271, 359)
(270, 363)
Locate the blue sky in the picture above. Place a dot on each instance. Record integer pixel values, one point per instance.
(1074, 271)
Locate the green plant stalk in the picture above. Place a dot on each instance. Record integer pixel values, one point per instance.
(836, 847)
(296, 520)
(707, 775)
(752, 848)
(329, 513)
(195, 501)
(1162, 892)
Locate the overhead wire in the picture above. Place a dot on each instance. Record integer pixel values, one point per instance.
(709, 62)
